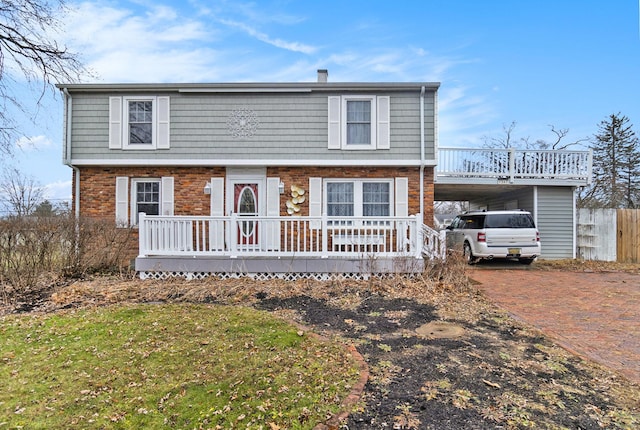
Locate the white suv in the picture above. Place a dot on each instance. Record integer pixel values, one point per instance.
(495, 234)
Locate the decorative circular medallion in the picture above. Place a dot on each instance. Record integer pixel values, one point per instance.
(242, 122)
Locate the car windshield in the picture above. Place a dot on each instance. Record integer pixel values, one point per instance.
(509, 221)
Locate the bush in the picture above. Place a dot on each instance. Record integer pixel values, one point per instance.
(34, 251)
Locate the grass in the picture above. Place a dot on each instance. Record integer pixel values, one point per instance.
(167, 366)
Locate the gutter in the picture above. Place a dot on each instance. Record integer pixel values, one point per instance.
(66, 159)
(422, 160)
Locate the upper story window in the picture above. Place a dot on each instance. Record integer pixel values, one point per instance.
(359, 122)
(139, 122)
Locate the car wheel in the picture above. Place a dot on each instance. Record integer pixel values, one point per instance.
(468, 255)
(526, 261)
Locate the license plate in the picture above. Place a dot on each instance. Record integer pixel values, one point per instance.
(514, 251)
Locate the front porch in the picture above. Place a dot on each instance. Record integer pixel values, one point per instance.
(283, 247)
(322, 247)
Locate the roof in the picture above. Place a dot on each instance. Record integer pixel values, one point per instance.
(250, 87)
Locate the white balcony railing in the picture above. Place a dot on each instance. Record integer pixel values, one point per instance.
(298, 236)
(511, 164)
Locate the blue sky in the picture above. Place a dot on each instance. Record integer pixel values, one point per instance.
(539, 63)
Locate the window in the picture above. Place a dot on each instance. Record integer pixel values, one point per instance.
(359, 122)
(375, 199)
(340, 199)
(360, 198)
(139, 122)
(153, 196)
(146, 197)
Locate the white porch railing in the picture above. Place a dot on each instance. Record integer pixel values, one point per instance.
(267, 236)
(511, 164)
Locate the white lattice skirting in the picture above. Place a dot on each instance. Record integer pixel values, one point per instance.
(267, 276)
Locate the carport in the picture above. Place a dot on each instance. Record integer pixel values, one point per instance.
(541, 182)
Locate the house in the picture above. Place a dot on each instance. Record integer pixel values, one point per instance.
(286, 179)
(280, 178)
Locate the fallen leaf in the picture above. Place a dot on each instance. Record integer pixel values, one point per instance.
(491, 384)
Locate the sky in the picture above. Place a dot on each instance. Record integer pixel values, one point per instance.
(566, 64)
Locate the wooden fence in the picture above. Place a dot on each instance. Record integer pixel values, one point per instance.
(609, 235)
(628, 235)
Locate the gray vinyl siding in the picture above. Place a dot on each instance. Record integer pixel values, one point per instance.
(290, 126)
(524, 198)
(556, 221)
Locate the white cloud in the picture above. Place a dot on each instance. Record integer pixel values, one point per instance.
(278, 43)
(156, 46)
(33, 143)
(58, 191)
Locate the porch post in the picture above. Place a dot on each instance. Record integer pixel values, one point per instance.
(415, 232)
(233, 232)
(325, 239)
(142, 234)
(512, 164)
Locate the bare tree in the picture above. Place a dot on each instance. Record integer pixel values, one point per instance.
(19, 195)
(30, 54)
(509, 140)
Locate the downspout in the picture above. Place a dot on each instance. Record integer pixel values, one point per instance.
(68, 101)
(422, 162)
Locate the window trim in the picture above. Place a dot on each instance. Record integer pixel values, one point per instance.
(126, 144)
(373, 123)
(134, 196)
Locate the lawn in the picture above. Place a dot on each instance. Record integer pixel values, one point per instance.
(167, 366)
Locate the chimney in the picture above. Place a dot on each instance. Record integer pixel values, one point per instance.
(323, 75)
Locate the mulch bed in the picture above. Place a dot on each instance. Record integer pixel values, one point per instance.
(439, 355)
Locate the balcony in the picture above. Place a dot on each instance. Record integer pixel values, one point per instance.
(513, 166)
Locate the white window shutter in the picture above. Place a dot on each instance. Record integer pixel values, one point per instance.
(166, 196)
(163, 118)
(402, 197)
(217, 196)
(216, 232)
(272, 228)
(273, 197)
(384, 138)
(334, 122)
(122, 201)
(315, 196)
(115, 123)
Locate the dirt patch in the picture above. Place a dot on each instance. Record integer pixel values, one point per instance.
(495, 373)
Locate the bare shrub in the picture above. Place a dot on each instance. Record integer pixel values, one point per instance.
(36, 251)
(449, 273)
(98, 245)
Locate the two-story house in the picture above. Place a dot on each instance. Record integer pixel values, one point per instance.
(294, 179)
(314, 177)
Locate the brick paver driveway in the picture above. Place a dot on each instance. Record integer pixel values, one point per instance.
(593, 314)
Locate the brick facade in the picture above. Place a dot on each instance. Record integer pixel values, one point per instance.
(97, 186)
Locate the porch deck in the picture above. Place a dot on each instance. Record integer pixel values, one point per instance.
(283, 247)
